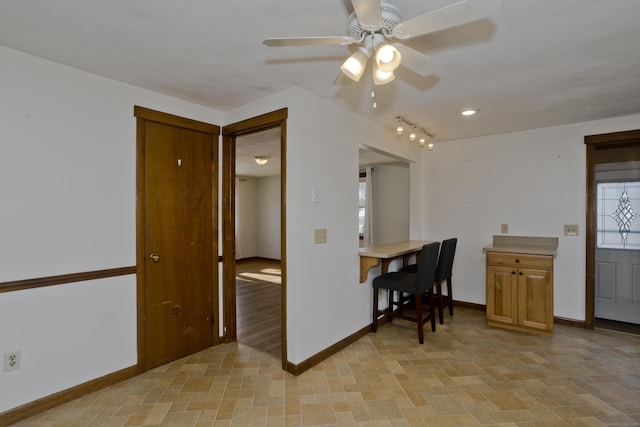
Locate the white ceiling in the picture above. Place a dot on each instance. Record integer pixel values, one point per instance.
(536, 63)
(263, 143)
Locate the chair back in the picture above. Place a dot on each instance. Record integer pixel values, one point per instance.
(445, 261)
(427, 266)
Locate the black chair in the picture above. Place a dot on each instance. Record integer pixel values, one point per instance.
(444, 272)
(418, 284)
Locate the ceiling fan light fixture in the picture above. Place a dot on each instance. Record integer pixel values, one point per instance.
(382, 77)
(387, 57)
(261, 160)
(353, 67)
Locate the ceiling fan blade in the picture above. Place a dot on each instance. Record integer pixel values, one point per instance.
(342, 80)
(307, 41)
(369, 13)
(447, 17)
(416, 61)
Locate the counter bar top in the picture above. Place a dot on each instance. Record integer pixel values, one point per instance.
(392, 250)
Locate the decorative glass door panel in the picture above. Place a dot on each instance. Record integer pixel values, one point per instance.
(618, 211)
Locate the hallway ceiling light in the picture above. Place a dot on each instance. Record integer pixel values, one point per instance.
(469, 112)
(261, 160)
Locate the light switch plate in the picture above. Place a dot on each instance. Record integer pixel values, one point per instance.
(504, 228)
(320, 235)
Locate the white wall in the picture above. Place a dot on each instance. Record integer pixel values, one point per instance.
(268, 220)
(534, 181)
(258, 217)
(390, 182)
(246, 225)
(67, 185)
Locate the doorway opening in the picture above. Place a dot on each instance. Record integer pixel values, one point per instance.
(384, 197)
(613, 255)
(258, 246)
(254, 229)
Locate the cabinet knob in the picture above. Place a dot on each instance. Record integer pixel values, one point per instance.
(517, 261)
(513, 272)
(520, 273)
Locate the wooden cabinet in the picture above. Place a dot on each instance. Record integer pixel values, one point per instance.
(520, 292)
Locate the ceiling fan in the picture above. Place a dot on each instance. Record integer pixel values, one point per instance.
(375, 23)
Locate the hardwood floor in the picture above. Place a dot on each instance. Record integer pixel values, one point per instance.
(629, 328)
(258, 304)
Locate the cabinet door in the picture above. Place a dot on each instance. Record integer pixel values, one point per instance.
(535, 299)
(502, 298)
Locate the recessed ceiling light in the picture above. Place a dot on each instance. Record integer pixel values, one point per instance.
(469, 112)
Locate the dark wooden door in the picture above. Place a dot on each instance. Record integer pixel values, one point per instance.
(179, 244)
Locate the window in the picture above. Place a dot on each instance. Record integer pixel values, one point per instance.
(618, 225)
(362, 198)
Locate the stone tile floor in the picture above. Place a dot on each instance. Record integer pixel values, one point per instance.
(465, 374)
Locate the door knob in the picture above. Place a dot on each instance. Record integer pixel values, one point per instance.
(155, 257)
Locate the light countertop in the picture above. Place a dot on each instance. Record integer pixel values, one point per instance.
(523, 245)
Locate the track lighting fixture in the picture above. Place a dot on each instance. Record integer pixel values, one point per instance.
(415, 128)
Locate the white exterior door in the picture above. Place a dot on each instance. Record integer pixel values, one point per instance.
(617, 258)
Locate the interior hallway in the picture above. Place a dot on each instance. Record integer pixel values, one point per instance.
(465, 374)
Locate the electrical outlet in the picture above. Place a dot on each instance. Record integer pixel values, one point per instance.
(571, 229)
(11, 361)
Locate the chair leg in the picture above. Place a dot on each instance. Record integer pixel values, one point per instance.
(439, 302)
(432, 312)
(419, 318)
(450, 292)
(374, 324)
(390, 306)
